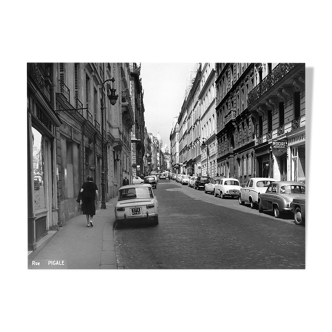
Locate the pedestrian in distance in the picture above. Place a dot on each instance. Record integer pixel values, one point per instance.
(125, 181)
(88, 196)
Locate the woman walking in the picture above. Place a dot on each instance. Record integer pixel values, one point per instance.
(89, 193)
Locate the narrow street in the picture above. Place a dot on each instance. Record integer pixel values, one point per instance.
(200, 231)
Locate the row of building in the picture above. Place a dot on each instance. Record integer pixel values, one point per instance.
(83, 119)
(242, 120)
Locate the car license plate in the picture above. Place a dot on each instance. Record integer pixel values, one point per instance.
(135, 211)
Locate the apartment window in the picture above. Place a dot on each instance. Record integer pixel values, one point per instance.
(297, 105)
(76, 81)
(95, 103)
(260, 126)
(269, 68)
(87, 89)
(281, 114)
(62, 73)
(269, 120)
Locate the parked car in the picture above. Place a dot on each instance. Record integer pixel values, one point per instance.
(192, 180)
(200, 182)
(151, 179)
(173, 176)
(179, 178)
(185, 179)
(298, 209)
(279, 195)
(251, 191)
(227, 187)
(210, 186)
(136, 202)
(137, 180)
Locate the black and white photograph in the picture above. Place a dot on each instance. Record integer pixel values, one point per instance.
(116, 182)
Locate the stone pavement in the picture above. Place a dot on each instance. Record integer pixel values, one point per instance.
(76, 246)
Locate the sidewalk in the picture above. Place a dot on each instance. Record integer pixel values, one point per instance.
(76, 246)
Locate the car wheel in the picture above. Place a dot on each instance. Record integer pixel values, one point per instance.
(222, 195)
(212, 192)
(252, 204)
(298, 216)
(156, 221)
(260, 208)
(276, 211)
(215, 193)
(240, 200)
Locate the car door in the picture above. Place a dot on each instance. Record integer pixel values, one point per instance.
(264, 198)
(271, 197)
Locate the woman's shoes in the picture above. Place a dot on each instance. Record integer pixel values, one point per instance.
(88, 225)
(91, 224)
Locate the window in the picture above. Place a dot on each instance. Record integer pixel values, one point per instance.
(297, 105)
(260, 125)
(87, 90)
(269, 68)
(269, 120)
(250, 183)
(281, 114)
(76, 81)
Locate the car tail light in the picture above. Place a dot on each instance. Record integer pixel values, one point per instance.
(150, 206)
(120, 209)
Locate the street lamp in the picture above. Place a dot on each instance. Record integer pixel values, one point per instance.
(112, 98)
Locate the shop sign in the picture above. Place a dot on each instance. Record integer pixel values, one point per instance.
(279, 148)
(279, 145)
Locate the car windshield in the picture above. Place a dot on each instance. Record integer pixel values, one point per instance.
(292, 189)
(131, 193)
(263, 183)
(204, 179)
(186, 176)
(231, 183)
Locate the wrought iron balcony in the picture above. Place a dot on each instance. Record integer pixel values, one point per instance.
(90, 117)
(97, 125)
(64, 90)
(269, 81)
(40, 80)
(79, 106)
(230, 116)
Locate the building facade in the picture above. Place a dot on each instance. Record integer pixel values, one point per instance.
(78, 127)
(277, 105)
(208, 121)
(235, 127)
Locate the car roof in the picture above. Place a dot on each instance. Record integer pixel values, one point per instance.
(135, 186)
(260, 179)
(230, 179)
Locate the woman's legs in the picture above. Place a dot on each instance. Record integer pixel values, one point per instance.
(87, 220)
(91, 220)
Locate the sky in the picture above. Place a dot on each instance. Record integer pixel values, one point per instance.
(164, 86)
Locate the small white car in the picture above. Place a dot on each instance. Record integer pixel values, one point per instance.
(185, 179)
(137, 180)
(192, 181)
(253, 188)
(210, 186)
(137, 202)
(227, 187)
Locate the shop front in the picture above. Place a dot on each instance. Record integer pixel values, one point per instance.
(264, 167)
(296, 151)
(279, 151)
(42, 171)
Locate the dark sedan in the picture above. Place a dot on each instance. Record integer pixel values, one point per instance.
(201, 181)
(279, 196)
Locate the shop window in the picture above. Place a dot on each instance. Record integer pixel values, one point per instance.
(38, 170)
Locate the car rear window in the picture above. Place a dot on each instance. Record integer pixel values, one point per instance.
(262, 183)
(292, 189)
(132, 193)
(231, 183)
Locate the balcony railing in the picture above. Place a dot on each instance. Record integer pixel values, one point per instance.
(39, 78)
(90, 117)
(269, 81)
(230, 116)
(97, 125)
(79, 106)
(64, 90)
